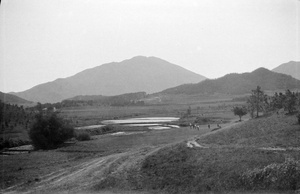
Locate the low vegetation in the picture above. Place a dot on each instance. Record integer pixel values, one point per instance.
(238, 159)
(258, 155)
(15, 121)
(83, 136)
(276, 176)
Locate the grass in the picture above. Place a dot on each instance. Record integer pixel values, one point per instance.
(274, 131)
(39, 163)
(108, 144)
(233, 163)
(83, 116)
(160, 161)
(83, 136)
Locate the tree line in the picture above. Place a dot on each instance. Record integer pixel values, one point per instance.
(260, 103)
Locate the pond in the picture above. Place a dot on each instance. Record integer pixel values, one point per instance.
(153, 123)
(145, 120)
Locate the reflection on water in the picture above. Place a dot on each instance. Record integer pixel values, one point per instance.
(141, 120)
(142, 125)
(89, 127)
(154, 123)
(159, 127)
(126, 133)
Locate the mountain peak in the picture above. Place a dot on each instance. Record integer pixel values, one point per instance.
(261, 71)
(291, 68)
(140, 73)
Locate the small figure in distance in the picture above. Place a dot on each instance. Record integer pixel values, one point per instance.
(218, 126)
(209, 126)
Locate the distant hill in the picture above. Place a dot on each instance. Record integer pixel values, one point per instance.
(149, 74)
(12, 99)
(118, 100)
(239, 83)
(291, 68)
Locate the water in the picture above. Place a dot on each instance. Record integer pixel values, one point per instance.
(89, 127)
(146, 120)
(154, 123)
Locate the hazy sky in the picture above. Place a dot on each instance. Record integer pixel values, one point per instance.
(41, 40)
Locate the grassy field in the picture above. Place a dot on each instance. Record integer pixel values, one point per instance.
(254, 156)
(30, 168)
(210, 106)
(234, 160)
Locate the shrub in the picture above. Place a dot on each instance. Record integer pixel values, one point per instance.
(83, 136)
(285, 176)
(107, 128)
(49, 132)
(298, 118)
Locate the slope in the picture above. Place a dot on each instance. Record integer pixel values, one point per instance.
(149, 74)
(239, 83)
(12, 99)
(291, 68)
(235, 159)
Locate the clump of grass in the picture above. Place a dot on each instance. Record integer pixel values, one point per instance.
(83, 136)
(107, 129)
(9, 143)
(284, 176)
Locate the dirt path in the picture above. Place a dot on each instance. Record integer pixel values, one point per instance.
(84, 174)
(83, 177)
(193, 142)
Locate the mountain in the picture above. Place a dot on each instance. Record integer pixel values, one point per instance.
(12, 99)
(239, 83)
(291, 68)
(148, 74)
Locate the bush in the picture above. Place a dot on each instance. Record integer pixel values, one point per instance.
(298, 118)
(9, 143)
(285, 176)
(49, 132)
(83, 136)
(107, 128)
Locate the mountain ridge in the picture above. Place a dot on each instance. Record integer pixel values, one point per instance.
(235, 83)
(149, 74)
(291, 68)
(12, 99)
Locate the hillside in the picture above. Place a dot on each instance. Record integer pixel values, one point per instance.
(118, 100)
(12, 99)
(257, 155)
(239, 83)
(291, 68)
(149, 74)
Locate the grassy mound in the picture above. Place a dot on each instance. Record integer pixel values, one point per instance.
(273, 131)
(241, 166)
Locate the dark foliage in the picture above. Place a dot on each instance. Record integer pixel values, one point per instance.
(49, 132)
(14, 120)
(240, 111)
(298, 117)
(83, 136)
(129, 99)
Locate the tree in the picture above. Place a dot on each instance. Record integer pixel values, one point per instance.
(49, 132)
(257, 101)
(290, 101)
(189, 111)
(277, 101)
(240, 111)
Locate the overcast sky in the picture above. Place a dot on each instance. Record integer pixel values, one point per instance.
(42, 40)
